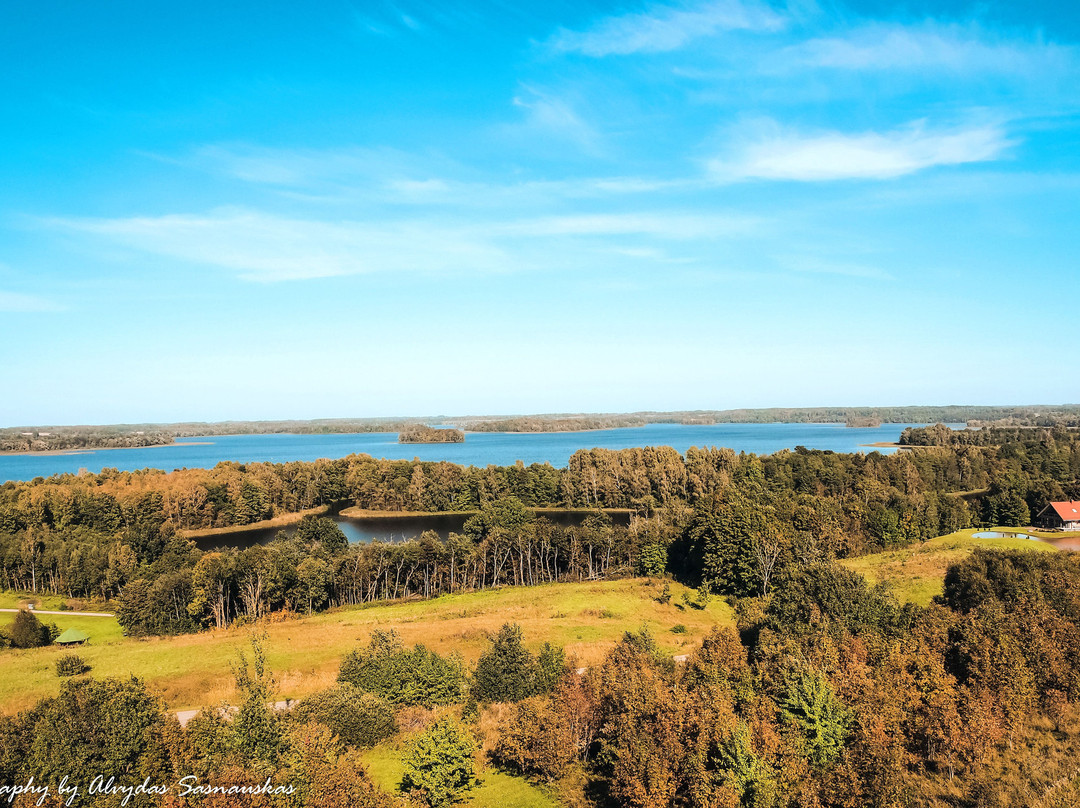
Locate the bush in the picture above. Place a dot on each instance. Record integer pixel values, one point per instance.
(27, 631)
(439, 763)
(679, 629)
(401, 676)
(506, 671)
(358, 718)
(71, 665)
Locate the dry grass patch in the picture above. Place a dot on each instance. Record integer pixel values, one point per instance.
(192, 671)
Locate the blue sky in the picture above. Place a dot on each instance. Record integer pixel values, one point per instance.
(268, 210)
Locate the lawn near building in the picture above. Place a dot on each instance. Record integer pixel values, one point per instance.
(917, 572)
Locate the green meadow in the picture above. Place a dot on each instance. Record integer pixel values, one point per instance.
(917, 573)
(193, 670)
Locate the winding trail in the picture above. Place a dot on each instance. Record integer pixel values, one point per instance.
(68, 614)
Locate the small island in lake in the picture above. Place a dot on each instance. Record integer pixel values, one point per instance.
(863, 422)
(421, 433)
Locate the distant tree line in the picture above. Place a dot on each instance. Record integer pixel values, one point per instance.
(40, 438)
(67, 438)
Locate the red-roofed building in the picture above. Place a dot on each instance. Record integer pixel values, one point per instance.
(1060, 516)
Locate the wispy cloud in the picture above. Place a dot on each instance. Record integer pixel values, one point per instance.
(262, 247)
(19, 302)
(954, 48)
(550, 115)
(676, 226)
(868, 155)
(665, 28)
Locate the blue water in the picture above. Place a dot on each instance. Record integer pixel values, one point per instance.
(479, 448)
(993, 534)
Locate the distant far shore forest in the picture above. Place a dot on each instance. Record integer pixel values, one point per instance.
(127, 436)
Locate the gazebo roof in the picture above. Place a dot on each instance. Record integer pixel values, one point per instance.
(72, 635)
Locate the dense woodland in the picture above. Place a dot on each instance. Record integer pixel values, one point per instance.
(830, 693)
(731, 522)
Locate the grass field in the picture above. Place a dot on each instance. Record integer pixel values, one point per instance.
(917, 573)
(494, 790)
(194, 670)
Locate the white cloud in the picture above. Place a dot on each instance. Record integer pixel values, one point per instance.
(262, 247)
(265, 248)
(869, 155)
(551, 116)
(665, 28)
(955, 48)
(300, 167)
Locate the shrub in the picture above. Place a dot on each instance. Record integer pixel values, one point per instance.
(550, 667)
(679, 629)
(401, 676)
(506, 671)
(71, 665)
(27, 631)
(439, 763)
(358, 718)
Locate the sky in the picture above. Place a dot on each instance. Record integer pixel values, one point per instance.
(264, 210)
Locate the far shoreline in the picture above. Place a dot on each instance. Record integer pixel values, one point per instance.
(92, 449)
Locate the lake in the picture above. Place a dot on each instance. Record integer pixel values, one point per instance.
(479, 448)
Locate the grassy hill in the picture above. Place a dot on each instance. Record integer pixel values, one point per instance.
(917, 573)
(193, 670)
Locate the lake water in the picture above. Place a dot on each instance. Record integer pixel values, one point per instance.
(479, 448)
(387, 528)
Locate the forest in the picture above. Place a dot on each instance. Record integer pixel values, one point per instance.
(729, 522)
(827, 692)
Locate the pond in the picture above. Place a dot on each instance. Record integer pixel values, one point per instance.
(993, 534)
(390, 527)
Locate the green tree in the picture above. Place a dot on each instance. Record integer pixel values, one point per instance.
(358, 718)
(27, 631)
(506, 671)
(323, 532)
(403, 676)
(745, 773)
(809, 701)
(550, 666)
(652, 559)
(439, 763)
(256, 726)
(108, 727)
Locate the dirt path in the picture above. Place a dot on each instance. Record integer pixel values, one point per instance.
(69, 614)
